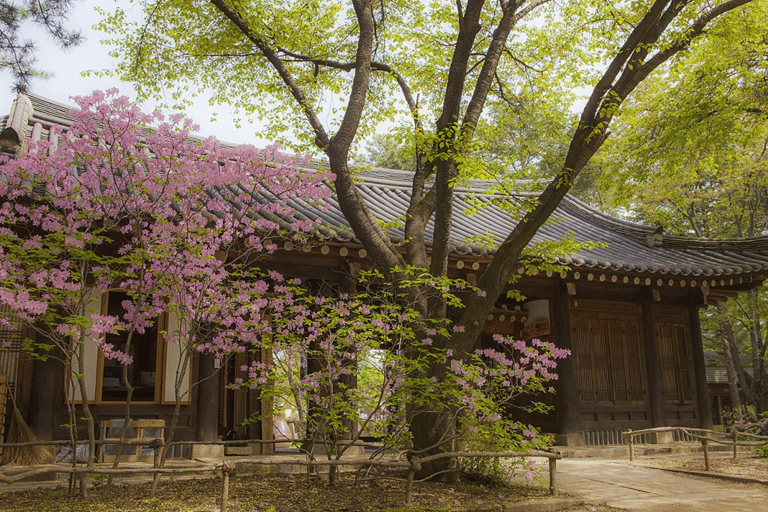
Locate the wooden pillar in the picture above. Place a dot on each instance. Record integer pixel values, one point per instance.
(567, 407)
(265, 407)
(720, 418)
(208, 393)
(47, 394)
(700, 371)
(652, 362)
(348, 285)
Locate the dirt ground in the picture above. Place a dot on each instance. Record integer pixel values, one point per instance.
(286, 493)
(267, 492)
(747, 466)
(296, 493)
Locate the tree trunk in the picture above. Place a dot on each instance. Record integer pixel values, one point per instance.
(743, 378)
(435, 432)
(90, 427)
(733, 387)
(181, 373)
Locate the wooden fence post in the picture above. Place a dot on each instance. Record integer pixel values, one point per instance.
(735, 435)
(553, 476)
(631, 443)
(226, 468)
(415, 466)
(704, 443)
(156, 445)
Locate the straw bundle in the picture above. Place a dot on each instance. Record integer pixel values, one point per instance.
(20, 432)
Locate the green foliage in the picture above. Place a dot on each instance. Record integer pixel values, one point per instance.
(191, 49)
(689, 151)
(689, 154)
(390, 152)
(435, 68)
(370, 360)
(760, 428)
(17, 55)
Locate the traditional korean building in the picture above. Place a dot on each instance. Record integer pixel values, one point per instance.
(628, 310)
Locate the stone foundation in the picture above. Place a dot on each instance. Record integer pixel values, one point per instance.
(569, 440)
(207, 451)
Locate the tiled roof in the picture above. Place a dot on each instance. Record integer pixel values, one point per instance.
(623, 246)
(716, 375)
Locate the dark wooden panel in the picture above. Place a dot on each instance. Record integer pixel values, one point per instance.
(676, 366)
(584, 365)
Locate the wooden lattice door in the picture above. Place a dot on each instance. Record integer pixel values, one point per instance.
(609, 360)
(676, 367)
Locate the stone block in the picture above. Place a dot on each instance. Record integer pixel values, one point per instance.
(661, 438)
(569, 440)
(207, 451)
(319, 451)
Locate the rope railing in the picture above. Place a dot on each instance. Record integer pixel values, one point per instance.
(705, 436)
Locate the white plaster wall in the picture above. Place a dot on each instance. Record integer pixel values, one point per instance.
(90, 359)
(173, 358)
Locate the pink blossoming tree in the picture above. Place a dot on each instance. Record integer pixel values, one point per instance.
(128, 201)
(124, 200)
(374, 339)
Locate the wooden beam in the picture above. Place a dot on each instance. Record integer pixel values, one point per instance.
(568, 391)
(700, 372)
(652, 363)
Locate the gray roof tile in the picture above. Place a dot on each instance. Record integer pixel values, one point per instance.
(624, 244)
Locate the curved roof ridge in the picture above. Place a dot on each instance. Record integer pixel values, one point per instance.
(579, 207)
(641, 231)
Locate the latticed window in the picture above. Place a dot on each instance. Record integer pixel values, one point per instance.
(609, 360)
(676, 374)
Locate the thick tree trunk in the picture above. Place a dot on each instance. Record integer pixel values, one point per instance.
(733, 388)
(435, 432)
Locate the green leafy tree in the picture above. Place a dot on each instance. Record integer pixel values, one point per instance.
(18, 54)
(330, 72)
(690, 153)
(389, 152)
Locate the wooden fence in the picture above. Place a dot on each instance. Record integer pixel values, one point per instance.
(407, 460)
(706, 436)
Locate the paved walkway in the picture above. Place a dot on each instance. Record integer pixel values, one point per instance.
(623, 485)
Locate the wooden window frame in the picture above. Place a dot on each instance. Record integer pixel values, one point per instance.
(160, 358)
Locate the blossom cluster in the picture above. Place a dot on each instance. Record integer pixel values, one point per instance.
(131, 201)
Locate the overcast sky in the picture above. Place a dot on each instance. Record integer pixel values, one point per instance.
(67, 67)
